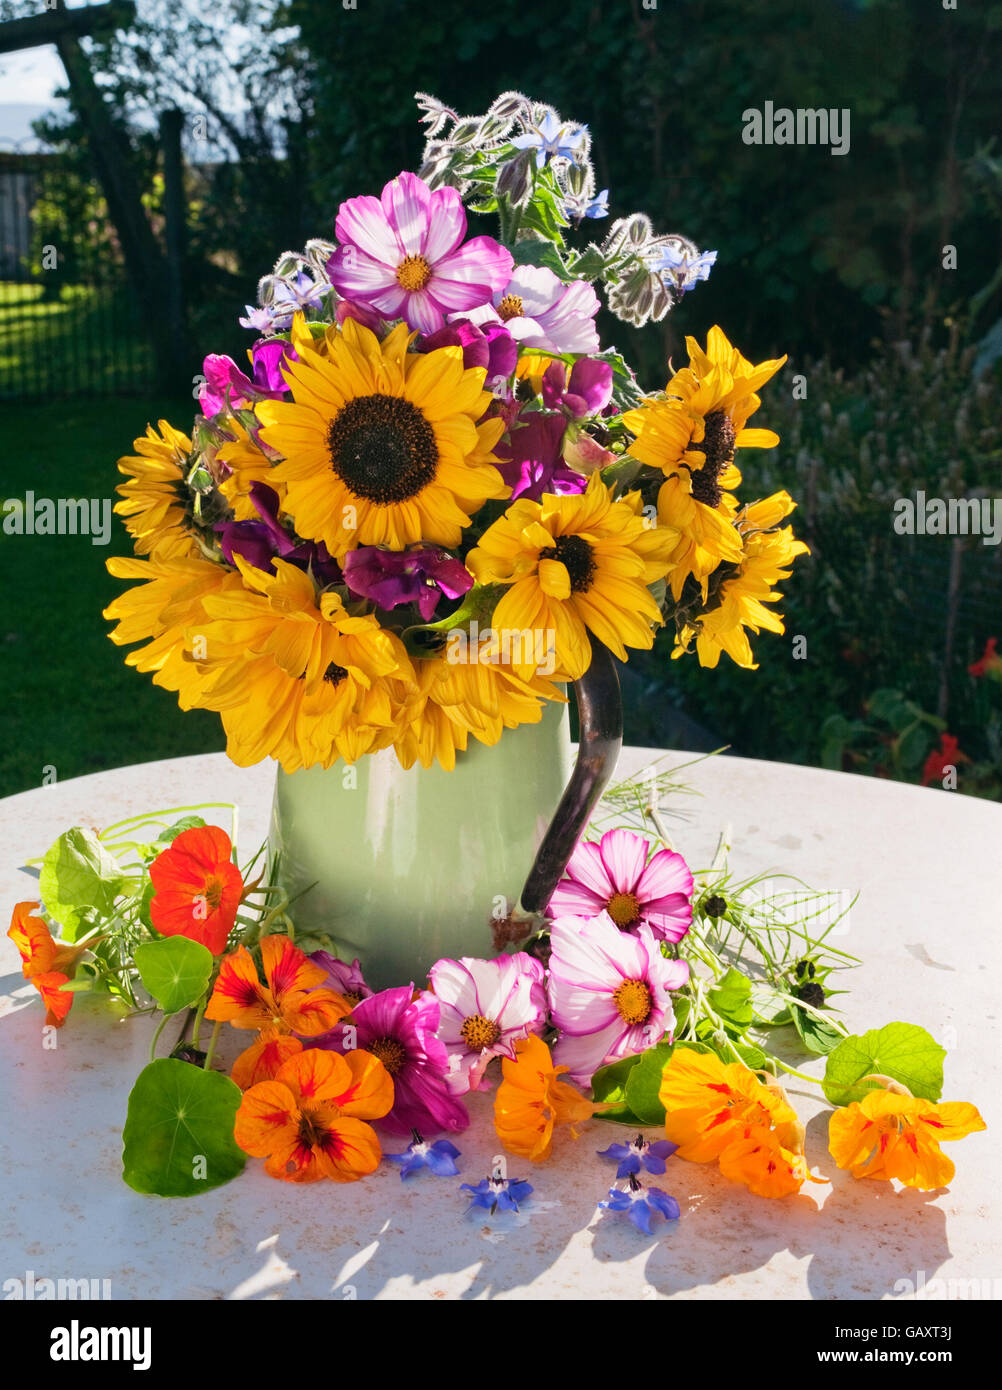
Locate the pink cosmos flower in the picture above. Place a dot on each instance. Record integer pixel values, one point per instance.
(486, 1007)
(541, 311)
(610, 993)
(402, 255)
(613, 876)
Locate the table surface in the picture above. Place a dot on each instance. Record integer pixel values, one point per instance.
(929, 873)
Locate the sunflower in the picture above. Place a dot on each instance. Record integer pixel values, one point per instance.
(575, 563)
(167, 612)
(299, 679)
(691, 435)
(246, 463)
(155, 503)
(766, 557)
(382, 446)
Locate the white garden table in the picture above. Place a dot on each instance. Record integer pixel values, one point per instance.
(928, 864)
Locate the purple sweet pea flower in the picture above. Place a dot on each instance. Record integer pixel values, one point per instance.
(497, 1194)
(346, 980)
(587, 392)
(259, 542)
(228, 388)
(531, 461)
(642, 1204)
(490, 346)
(639, 1154)
(540, 311)
(613, 875)
(440, 1157)
(400, 1030)
(610, 992)
(419, 575)
(402, 254)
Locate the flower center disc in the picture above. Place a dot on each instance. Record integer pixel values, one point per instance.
(574, 553)
(413, 273)
(717, 445)
(510, 308)
(623, 908)
(633, 1000)
(391, 1053)
(383, 448)
(479, 1032)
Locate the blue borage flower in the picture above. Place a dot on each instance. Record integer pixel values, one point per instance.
(639, 1154)
(440, 1157)
(553, 138)
(683, 268)
(640, 1204)
(497, 1194)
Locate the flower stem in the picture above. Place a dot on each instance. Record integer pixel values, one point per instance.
(212, 1045)
(156, 1037)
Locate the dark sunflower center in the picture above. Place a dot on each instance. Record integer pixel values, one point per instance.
(335, 674)
(574, 553)
(717, 444)
(383, 448)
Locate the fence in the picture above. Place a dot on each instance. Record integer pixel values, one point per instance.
(68, 319)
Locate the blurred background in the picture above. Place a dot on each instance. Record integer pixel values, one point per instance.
(169, 151)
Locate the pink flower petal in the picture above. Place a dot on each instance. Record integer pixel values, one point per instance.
(665, 875)
(584, 1055)
(624, 856)
(480, 262)
(353, 272)
(406, 202)
(446, 224)
(588, 867)
(362, 222)
(572, 899)
(421, 311)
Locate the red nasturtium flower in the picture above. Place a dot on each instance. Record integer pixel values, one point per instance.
(47, 963)
(989, 662)
(291, 1002)
(948, 754)
(197, 888)
(309, 1122)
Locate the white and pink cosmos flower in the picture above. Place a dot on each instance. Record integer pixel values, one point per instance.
(403, 255)
(613, 875)
(609, 992)
(541, 311)
(487, 1006)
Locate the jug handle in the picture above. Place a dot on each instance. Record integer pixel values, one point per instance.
(600, 737)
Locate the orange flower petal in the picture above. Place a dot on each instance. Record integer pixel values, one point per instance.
(368, 1094)
(351, 1150)
(58, 1002)
(239, 997)
(288, 968)
(263, 1059)
(33, 940)
(267, 1121)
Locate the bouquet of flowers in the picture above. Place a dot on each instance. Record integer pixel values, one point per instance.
(402, 525)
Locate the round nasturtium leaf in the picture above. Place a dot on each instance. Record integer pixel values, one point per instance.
(174, 970)
(903, 1051)
(179, 1131)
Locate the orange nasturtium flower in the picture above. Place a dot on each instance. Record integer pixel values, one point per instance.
(290, 1003)
(721, 1112)
(47, 963)
(893, 1135)
(531, 1101)
(197, 888)
(309, 1122)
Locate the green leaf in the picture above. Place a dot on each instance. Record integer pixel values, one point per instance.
(644, 1082)
(752, 1056)
(816, 1034)
(770, 1006)
(179, 1131)
(731, 999)
(173, 831)
(609, 1085)
(903, 1051)
(174, 970)
(79, 881)
(542, 253)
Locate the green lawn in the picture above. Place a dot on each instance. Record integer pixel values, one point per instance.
(67, 699)
(87, 339)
